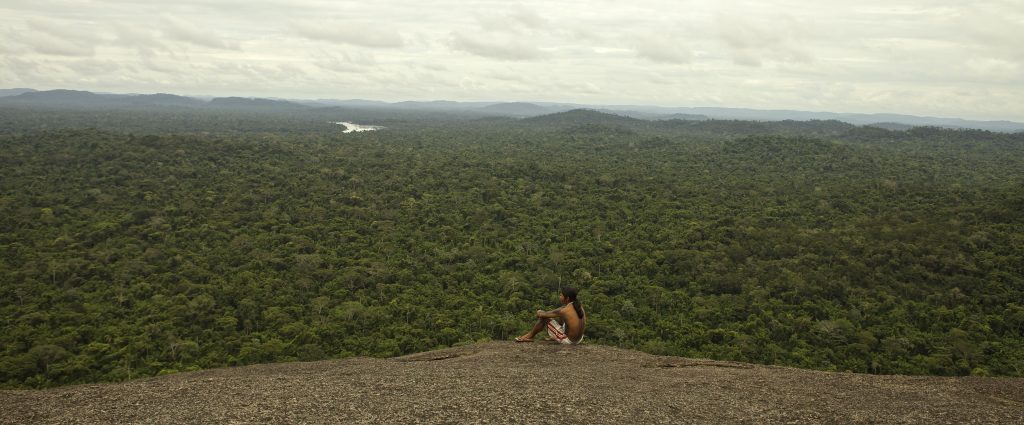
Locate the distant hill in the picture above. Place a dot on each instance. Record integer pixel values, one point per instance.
(253, 103)
(57, 98)
(577, 117)
(515, 109)
(715, 113)
(894, 126)
(357, 103)
(653, 116)
(440, 105)
(83, 99)
(856, 119)
(684, 117)
(915, 121)
(77, 99)
(163, 99)
(505, 382)
(14, 92)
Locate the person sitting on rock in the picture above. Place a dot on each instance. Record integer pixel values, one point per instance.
(565, 324)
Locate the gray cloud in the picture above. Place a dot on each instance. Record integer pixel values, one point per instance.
(164, 67)
(182, 30)
(349, 33)
(145, 41)
(20, 70)
(746, 58)
(50, 45)
(346, 62)
(509, 48)
(67, 30)
(995, 28)
(581, 87)
(739, 33)
(517, 19)
(663, 50)
(94, 67)
(53, 37)
(754, 41)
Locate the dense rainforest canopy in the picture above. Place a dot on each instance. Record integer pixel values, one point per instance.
(134, 243)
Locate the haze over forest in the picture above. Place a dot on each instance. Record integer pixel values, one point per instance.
(76, 99)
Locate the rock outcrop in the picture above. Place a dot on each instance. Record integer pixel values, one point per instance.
(505, 382)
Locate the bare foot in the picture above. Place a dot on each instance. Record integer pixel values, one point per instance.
(524, 338)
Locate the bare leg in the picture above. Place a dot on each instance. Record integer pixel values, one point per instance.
(541, 323)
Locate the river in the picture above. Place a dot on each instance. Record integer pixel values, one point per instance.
(350, 127)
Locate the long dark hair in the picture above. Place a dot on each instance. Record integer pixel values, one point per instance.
(570, 293)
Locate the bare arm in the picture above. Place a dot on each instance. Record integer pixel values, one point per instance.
(553, 314)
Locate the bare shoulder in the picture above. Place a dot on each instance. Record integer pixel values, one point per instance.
(569, 310)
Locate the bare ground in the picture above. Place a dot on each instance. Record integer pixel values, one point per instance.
(505, 382)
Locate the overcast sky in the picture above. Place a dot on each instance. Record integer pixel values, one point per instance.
(942, 58)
